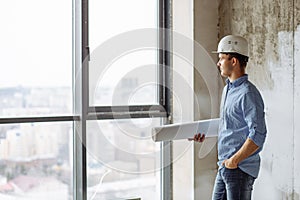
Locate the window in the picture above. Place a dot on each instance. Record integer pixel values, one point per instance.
(122, 72)
(122, 160)
(36, 58)
(134, 82)
(53, 100)
(36, 161)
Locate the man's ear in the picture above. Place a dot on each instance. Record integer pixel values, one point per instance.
(234, 61)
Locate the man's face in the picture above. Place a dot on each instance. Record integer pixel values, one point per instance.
(225, 65)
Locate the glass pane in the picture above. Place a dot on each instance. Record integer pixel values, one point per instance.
(36, 58)
(123, 62)
(36, 161)
(123, 161)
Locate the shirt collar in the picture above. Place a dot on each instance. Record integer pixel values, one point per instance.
(237, 82)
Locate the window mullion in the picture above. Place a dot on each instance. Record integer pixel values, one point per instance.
(165, 13)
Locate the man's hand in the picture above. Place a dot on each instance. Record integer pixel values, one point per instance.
(199, 137)
(230, 163)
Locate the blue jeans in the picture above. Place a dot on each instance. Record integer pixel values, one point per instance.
(232, 184)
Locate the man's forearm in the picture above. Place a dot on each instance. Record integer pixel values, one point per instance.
(248, 148)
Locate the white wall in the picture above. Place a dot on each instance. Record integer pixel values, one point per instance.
(297, 110)
(196, 87)
(183, 174)
(207, 86)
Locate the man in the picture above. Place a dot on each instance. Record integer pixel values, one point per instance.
(242, 129)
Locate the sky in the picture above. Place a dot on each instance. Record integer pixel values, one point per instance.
(36, 37)
(36, 45)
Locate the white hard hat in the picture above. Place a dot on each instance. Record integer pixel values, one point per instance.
(233, 44)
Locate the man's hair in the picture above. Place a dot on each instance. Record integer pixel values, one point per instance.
(241, 58)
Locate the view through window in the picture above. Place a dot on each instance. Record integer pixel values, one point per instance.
(36, 81)
(36, 159)
(36, 58)
(122, 74)
(123, 162)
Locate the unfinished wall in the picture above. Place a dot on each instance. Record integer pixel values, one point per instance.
(206, 87)
(297, 99)
(182, 150)
(272, 28)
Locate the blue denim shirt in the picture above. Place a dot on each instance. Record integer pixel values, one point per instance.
(242, 116)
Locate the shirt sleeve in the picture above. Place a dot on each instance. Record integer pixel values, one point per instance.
(254, 115)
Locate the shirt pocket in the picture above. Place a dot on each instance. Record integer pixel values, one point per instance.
(235, 117)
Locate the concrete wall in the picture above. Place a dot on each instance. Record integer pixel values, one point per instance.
(182, 91)
(196, 85)
(273, 30)
(207, 87)
(296, 99)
